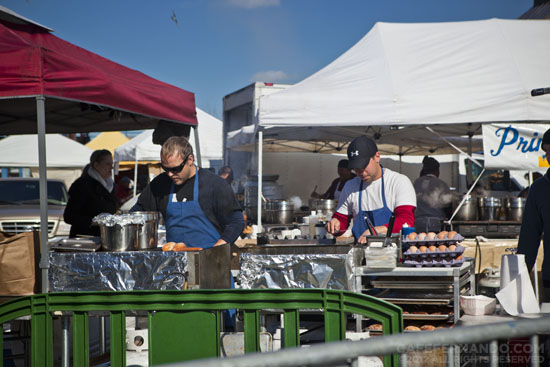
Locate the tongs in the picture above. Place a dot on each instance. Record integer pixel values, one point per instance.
(370, 226)
(387, 240)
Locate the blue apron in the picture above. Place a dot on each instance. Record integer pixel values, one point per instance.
(378, 217)
(187, 223)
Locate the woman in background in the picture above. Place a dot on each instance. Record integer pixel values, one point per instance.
(91, 194)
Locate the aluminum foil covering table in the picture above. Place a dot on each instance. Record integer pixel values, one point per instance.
(330, 271)
(117, 271)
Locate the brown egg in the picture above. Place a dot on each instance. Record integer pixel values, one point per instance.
(421, 236)
(432, 248)
(442, 248)
(452, 248)
(441, 235)
(430, 235)
(459, 258)
(423, 248)
(413, 249)
(451, 235)
(412, 236)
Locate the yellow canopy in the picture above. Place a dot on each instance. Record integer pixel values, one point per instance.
(108, 140)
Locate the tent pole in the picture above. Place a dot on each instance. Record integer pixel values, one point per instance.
(135, 171)
(260, 169)
(469, 174)
(197, 146)
(464, 198)
(43, 179)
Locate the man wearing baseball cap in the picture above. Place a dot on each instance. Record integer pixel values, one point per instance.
(536, 223)
(375, 193)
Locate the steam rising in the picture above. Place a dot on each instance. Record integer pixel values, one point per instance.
(296, 202)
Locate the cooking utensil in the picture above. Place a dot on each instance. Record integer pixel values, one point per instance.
(370, 226)
(387, 241)
(147, 233)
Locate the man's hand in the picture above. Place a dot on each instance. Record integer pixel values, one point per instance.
(220, 242)
(380, 230)
(333, 226)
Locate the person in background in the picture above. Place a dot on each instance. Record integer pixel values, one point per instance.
(523, 193)
(124, 190)
(433, 198)
(535, 224)
(91, 194)
(199, 207)
(376, 193)
(226, 173)
(335, 189)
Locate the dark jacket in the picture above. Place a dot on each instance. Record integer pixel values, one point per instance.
(87, 198)
(536, 223)
(216, 199)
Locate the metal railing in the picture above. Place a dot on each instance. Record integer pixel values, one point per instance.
(346, 352)
(186, 325)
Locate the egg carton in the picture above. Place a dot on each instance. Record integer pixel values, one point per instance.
(420, 263)
(432, 254)
(436, 241)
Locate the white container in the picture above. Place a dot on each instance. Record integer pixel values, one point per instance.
(478, 305)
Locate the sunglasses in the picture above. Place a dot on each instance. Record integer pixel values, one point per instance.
(176, 169)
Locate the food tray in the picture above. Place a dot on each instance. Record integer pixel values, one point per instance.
(418, 301)
(76, 245)
(413, 316)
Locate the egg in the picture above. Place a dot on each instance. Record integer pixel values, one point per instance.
(413, 249)
(412, 236)
(451, 235)
(441, 235)
(423, 248)
(459, 258)
(442, 248)
(432, 248)
(421, 236)
(430, 235)
(452, 248)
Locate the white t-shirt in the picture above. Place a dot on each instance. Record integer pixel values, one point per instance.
(397, 187)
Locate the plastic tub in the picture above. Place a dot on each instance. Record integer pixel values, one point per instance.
(478, 305)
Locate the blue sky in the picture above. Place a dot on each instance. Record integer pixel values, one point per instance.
(219, 46)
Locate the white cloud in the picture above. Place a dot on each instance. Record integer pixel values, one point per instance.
(251, 4)
(270, 76)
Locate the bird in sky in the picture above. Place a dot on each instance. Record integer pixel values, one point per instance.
(173, 17)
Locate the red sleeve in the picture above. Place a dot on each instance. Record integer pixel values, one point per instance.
(403, 214)
(343, 219)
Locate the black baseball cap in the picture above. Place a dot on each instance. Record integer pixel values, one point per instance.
(360, 151)
(545, 138)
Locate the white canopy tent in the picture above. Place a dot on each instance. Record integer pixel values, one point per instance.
(446, 77)
(141, 147)
(22, 151)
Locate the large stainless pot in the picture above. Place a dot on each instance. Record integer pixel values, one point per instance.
(323, 205)
(147, 233)
(468, 211)
(489, 208)
(118, 237)
(279, 212)
(514, 208)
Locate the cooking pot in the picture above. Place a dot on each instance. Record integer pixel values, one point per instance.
(279, 212)
(147, 229)
(118, 237)
(468, 210)
(323, 205)
(514, 208)
(489, 208)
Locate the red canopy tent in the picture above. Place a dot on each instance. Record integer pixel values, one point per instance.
(48, 84)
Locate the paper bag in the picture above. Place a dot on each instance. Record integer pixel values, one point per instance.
(17, 265)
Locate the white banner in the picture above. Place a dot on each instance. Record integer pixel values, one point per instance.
(514, 146)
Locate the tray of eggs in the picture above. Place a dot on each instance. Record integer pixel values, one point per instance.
(441, 249)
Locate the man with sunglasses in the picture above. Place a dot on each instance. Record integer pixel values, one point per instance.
(198, 206)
